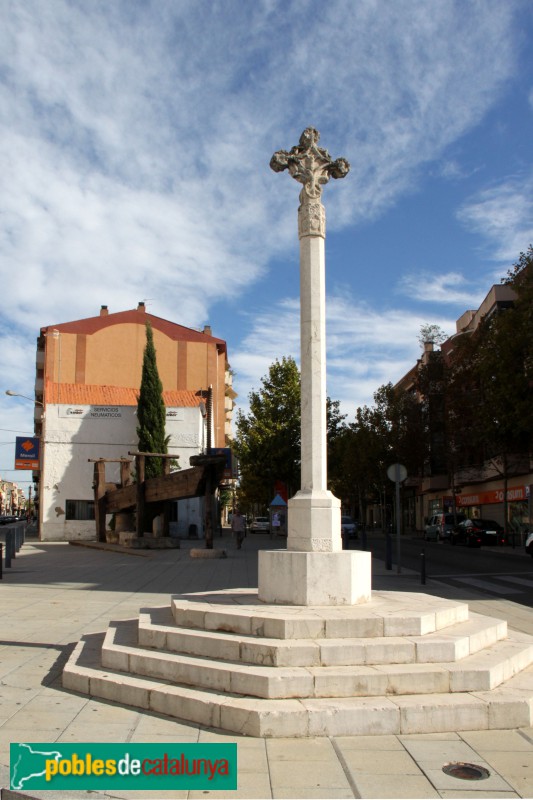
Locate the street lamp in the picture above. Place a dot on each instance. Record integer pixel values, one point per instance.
(11, 393)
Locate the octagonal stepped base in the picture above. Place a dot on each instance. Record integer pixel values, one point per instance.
(403, 663)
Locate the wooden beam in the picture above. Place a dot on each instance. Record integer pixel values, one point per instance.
(121, 499)
(155, 455)
(99, 499)
(140, 463)
(176, 486)
(125, 473)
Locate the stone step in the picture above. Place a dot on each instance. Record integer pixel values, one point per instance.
(507, 707)
(158, 630)
(481, 671)
(386, 614)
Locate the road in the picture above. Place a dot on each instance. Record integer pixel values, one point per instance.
(501, 572)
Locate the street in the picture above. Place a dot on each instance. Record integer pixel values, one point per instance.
(503, 572)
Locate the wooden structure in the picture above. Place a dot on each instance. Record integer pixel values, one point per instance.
(200, 480)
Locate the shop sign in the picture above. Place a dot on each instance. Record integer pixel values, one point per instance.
(487, 498)
(174, 414)
(91, 412)
(27, 452)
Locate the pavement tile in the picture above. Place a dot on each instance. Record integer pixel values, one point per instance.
(160, 726)
(324, 775)
(146, 795)
(42, 720)
(468, 794)
(437, 753)
(96, 712)
(95, 733)
(513, 765)
(146, 738)
(210, 735)
(296, 792)
(372, 761)
(381, 743)
(408, 737)
(411, 787)
(300, 750)
(487, 741)
(249, 787)
(522, 785)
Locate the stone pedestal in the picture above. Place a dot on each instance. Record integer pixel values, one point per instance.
(314, 522)
(314, 579)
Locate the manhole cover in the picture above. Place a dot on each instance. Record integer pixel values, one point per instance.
(466, 772)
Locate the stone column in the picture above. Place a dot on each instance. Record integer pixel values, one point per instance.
(313, 569)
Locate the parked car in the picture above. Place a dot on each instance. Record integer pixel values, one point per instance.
(529, 544)
(464, 533)
(491, 532)
(348, 528)
(440, 526)
(260, 525)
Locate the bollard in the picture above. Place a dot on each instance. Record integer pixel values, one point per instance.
(388, 551)
(8, 550)
(363, 536)
(423, 567)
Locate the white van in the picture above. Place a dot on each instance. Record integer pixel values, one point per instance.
(440, 526)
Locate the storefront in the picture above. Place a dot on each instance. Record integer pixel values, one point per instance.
(490, 505)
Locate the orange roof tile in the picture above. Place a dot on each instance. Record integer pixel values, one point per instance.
(91, 395)
(170, 329)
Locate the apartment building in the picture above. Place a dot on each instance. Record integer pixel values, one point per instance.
(88, 373)
(476, 491)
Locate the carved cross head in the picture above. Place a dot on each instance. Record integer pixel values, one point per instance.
(310, 165)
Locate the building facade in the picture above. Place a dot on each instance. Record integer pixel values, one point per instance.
(88, 373)
(12, 500)
(478, 490)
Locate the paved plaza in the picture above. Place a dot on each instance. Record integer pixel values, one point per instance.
(54, 593)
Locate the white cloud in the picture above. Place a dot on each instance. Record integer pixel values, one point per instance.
(366, 347)
(450, 287)
(503, 215)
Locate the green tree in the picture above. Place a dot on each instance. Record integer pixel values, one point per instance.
(267, 439)
(151, 413)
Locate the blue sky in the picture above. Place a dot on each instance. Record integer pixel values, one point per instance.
(136, 141)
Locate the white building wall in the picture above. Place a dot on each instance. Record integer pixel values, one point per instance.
(73, 435)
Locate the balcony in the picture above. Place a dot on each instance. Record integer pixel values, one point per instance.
(435, 483)
(492, 469)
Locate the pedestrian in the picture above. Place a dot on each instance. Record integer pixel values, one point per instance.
(238, 526)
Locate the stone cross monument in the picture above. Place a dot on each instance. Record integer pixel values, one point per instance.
(313, 570)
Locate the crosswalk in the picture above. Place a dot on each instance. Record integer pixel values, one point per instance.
(501, 584)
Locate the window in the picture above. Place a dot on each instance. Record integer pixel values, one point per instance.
(79, 509)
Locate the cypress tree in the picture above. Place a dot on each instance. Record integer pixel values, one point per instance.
(151, 413)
